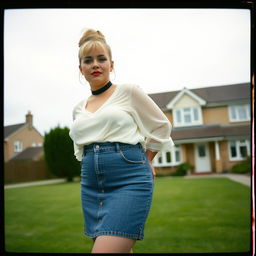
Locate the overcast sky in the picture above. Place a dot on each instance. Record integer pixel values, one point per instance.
(158, 49)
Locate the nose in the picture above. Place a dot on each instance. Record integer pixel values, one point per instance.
(95, 64)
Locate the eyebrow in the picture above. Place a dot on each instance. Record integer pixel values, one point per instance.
(100, 55)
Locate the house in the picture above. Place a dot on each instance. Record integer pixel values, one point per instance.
(30, 153)
(211, 127)
(22, 141)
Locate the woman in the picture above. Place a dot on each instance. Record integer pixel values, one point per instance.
(117, 132)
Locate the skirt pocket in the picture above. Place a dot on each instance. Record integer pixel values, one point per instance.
(133, 156)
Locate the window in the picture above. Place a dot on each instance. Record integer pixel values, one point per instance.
(201, 150)
(177, 156)
(187, 116)
(37, 144)
(233, 151)
(239, 113)
(170, 158)
(239, 150)
(196, 114)
(160, 159)
(178, 116)
(18, 146)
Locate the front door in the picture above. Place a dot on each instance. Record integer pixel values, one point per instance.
(202, 158)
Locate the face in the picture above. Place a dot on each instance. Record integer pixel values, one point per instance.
(96, 66)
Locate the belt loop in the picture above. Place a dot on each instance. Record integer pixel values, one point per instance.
(117, 147)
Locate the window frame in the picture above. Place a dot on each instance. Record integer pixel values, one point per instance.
(17, 146)
(238, 144)
(187, 111)
(163, 157)
(236, 109)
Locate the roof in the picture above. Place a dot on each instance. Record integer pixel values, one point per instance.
(213, 94)
(211, 131)
(8, 130)
(201, 101)
(30, 153)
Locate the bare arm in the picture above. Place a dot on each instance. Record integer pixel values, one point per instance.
(151, 156)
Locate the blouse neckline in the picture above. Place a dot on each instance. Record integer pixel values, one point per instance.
(98, 109)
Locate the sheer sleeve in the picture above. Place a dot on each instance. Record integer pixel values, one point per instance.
(78, 152)
(152, 122)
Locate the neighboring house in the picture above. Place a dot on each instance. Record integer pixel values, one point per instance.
(211, 127)
(22, 141)
(30, 153)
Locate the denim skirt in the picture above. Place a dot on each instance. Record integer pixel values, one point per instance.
(116, 189)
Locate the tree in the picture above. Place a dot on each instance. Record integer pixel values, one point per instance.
(59, 153)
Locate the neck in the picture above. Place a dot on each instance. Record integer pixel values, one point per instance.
(101, 89)
(96, 85)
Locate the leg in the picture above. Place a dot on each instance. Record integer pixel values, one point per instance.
(113, 244)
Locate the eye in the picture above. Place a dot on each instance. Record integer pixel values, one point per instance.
(87, 61)
(102, 59)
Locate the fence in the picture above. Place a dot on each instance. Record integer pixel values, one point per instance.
(23, 171)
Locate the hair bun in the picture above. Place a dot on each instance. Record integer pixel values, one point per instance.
(91, 34)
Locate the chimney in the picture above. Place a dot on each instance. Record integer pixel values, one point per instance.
(29, 120)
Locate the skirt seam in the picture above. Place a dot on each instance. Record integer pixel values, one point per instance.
(145, 215)
(115, 233)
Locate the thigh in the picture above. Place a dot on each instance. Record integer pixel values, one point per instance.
(112, 244)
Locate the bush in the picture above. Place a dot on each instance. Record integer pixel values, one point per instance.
(182, 169)
(243, 167)
(59, 153)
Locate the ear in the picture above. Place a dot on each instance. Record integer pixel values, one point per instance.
(111, 66)
(80, 69)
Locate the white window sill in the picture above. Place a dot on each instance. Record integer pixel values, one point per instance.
(239, 121)
(187, 125)
(166, 165)
(237, 159)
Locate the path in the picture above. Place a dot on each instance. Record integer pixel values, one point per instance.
(35, 183)
(241, 178)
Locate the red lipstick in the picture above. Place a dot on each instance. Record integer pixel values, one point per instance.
(96, 73)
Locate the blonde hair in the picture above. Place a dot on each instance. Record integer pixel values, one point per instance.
(90, 40)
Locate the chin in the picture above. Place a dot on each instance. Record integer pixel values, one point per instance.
(98, 81)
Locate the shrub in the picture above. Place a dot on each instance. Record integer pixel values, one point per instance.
(243, 167)
(182, 169)
(59, 153)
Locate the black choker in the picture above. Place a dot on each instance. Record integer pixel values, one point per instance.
(102, 89)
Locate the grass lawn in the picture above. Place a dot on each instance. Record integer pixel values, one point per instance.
(187, 216)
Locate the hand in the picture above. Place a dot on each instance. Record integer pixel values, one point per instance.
(153, 170)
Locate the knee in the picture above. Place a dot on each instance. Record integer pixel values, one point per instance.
(111, 244)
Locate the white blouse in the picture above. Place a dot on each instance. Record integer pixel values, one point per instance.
(129, 116)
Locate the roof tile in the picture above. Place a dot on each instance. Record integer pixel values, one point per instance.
(30, 153)
(213, 94)
(8, 130)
